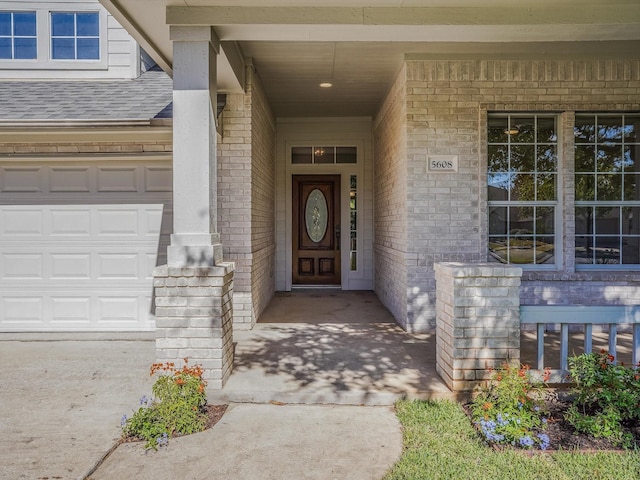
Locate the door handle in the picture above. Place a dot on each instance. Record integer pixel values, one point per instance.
(337, 237)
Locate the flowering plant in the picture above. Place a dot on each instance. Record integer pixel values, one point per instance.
(176, 409)
(607, 397)
(509, 409)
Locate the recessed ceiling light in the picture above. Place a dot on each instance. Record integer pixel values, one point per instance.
(326, 85)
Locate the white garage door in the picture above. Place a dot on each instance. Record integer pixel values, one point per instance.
(78, 245)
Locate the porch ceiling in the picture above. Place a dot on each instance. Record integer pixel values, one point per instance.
(359, 45)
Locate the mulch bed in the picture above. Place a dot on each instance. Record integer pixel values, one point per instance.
(562, 435)
(213, 412)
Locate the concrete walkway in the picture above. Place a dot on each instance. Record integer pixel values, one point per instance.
(61, 402)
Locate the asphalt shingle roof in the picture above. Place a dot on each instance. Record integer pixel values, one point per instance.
(146, 97)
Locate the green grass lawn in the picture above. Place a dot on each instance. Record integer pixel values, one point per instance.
(440, 443)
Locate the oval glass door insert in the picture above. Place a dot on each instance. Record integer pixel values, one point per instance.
(316, 215)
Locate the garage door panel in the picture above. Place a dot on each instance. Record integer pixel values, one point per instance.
(70, 179)
(21, 179)
(22, 310)
(158, 179)
(117, 179)
(20, 222)
(71, 222)
(70, 310)
(21, 265)
(64, 266)
(118, 222)
(116, 265)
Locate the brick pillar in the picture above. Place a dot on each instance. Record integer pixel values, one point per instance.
(477, 321)
(194, 318)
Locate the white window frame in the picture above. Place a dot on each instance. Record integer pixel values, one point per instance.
(604, 203)
(556, 204)
(13, 37)
(43, 60)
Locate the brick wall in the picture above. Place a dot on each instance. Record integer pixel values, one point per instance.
(263, 149)
(246, 176)
(390, 201)
(446, 108)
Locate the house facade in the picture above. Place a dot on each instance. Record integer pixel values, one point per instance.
(361, 143)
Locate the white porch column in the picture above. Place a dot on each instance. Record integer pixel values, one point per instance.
(195, 240)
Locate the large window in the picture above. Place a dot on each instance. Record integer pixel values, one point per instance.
(18, 37)
(607, 156)
(75, 36)
(522, 188)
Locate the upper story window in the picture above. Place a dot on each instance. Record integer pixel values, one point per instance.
(49, 37)
(607, 169)
(75, 36)
(522, 188)
(18, 36)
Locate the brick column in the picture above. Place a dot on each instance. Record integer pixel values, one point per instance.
(194, 318)
(477, 321)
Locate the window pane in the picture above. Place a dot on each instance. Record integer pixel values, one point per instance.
(5, 24)
(346, 155)
(609, 187)
(607, 250)
(547, 159)
(585, 187)
(585, 158)
(523, 158)
(607, 221)
(630, 158)
(547, 130)
(546, 188)
(498, 220)
(609, 129)
(302, 155)
(631, 220)
(632, 128)
(526, 129)
(24, 24)
(62, 24)
(498, 129)
(524, 187)
(545, 220)
(584, 250)
(498, 158)
(324, 155)
(584, 220)
(630, 250)
(521, 250)
(5, 48)
(25, 48)
(498, 249)
(499, 184)
(631, 187)
(63, 48)
(610, 158)
(88, 49)
(88, 24)
(521, 220)
(585, 129)
(545, 250)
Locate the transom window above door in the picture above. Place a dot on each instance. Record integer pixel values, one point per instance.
(324, 155)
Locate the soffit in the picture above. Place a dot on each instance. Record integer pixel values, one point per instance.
(359, 46)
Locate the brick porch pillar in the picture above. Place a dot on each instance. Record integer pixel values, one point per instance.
(193, 293)
(477, 321)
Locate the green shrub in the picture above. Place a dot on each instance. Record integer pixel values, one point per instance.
(509, 410)
(177, 409)
(607, 396)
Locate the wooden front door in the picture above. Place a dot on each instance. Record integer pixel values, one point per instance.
(316, 229)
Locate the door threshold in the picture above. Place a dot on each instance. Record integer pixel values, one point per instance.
(316, 287)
